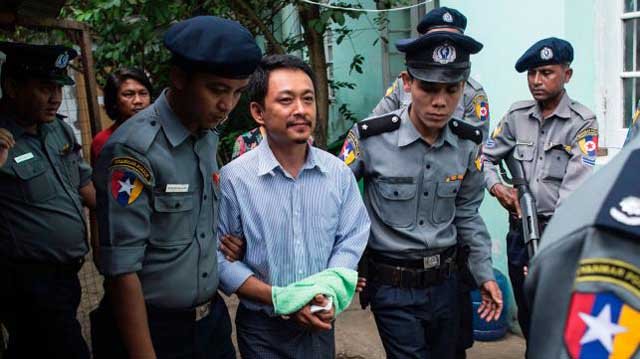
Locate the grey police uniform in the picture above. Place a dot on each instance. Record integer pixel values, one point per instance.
(584, 282)
(42, 225)
(42, 213)
(558, 153)
(162, 227)
(472, 109)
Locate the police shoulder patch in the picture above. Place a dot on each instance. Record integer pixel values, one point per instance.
(620, 210)
(481, 106)
(350, 149)
(377, 125)
(466, 131)
(132, 165)
(587, 140)
(125, 186)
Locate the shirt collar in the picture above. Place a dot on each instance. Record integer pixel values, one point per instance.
(267, 161)
(562, 110)
(173, 127)
(408, 134)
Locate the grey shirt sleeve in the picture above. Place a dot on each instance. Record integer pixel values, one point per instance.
(352, 154)
(392, 99)
(476, 110)
(469, 224)
(502, 141)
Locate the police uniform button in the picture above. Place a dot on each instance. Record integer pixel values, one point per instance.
(542, 132)
(153, 123)
(395, 193)
(426, 194)
(455, 123)
(177, 205)
(558, 158)
(395, 119)
(421, 222)
(454, 191)
(202, 235)
(205, 274)
(205, 197)
(477, 133)
(540, 158)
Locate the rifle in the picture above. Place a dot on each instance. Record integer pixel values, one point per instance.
(530, 228)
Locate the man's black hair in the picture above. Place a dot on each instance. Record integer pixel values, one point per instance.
(114, 81)
(259, 83)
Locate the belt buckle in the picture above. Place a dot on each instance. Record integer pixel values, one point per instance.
(203, 310)
(431, 262)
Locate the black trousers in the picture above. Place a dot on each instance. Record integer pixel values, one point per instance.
(38, 306)
(518, 258)
(174, 333)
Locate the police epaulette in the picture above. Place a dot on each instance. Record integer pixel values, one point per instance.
(466, 131)
(620, 210)
(377, 125)
(518, 105)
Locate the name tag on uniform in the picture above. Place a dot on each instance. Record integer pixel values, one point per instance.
(177, 188)
(25, 157)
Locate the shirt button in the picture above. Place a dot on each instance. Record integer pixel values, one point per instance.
(153, 123)
(426, 194)
(542, 132)
(540, 158)
(205, 197)
(428, 167)
(421, 222)
(205, 274)
(202, 235)
(177, 205)
(395, 193)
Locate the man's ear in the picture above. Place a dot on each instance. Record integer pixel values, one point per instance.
(406, 81)
(257, 112)
(178, 78)
(568, 72)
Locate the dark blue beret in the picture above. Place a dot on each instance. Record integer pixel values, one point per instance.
(439, 56)
(442, 17)
(47, 62)
(548, 51)
(214, 45)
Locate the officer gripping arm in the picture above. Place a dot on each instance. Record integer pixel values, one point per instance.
(582, 158)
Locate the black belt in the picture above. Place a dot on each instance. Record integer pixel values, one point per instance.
(188, 314)
(36, 267)
(421, 273)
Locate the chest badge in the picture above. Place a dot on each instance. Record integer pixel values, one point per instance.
(27, 156)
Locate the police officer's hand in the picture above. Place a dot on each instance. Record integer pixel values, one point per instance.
(326, 316)
(232, 247)
(310, 321)
(362, 282)
(6, 142)
(491, 306)
(508, 198)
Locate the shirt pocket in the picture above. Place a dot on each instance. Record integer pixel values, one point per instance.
(555, 164)
(524, 151)
(444, 207)
(71, 166)
(173, 222)
(397, 201)
(34, 182)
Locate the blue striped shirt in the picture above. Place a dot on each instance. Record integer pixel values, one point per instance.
(293, 227)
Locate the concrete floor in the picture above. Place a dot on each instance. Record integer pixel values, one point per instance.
(357, 338)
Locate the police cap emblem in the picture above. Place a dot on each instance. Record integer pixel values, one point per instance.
(446, 17)
(546, 53)
(62, 61)
(444, 54)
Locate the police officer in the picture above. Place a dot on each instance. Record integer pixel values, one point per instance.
(555, 138)
(157, 182)
(422, 191)
(474, 105)
(584, 283)
(43, 185)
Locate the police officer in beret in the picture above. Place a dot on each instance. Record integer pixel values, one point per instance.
(474, 105)
(588, 268)
(555, 138)
(157, 182)
(422, 191)
(44, 184)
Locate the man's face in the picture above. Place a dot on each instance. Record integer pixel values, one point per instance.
(433, 103)
(208, 99)
(36, 100)
(546, 82)
(289, 111)
(132, 98)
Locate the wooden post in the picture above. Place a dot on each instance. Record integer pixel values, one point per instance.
(90, 82)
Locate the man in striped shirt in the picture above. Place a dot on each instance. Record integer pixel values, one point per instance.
(298, 209)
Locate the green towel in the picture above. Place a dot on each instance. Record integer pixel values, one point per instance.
(337, 283)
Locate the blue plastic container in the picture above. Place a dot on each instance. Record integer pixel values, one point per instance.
(494, 330)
